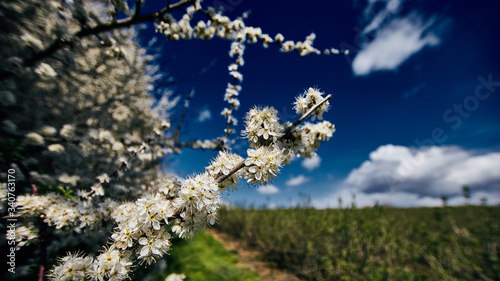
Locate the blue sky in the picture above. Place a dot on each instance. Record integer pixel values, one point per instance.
(415, 103)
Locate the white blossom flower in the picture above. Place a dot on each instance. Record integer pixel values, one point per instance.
(73, 267)
(309, 99)
(113, 264)
(67, 179)
(266, 40)
(66, 131)
(262, 125)
(118, 146)
(262, 164)
(126, 215)
(34, 138)
(311, 136)
(336, 51)
(88, 219)
(48, 131)
(56, 148)
(222, 165)
(25, 235)
(31, 40)
(156, 243)
(237, 48)
(287, 46)
(45, 70)
(279, 38)
(236, 75)
(120, 113)
(124, 238)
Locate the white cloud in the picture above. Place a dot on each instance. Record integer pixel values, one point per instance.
(398, 199)
(268, 189)
(272, 206)
(393, 44)
(377, 18)
(433, 171)
(311, 163)
(204, 115)
(402, 176)
(298, 180)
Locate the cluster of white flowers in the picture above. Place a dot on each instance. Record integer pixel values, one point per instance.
(236, 30)
(262, 164)
(197, 201)
(62, 212)
(309, 99)
(233, 89)
(56, 148)
(272, 145)
(25, 235)
(262, 126)
(112, 264)
(45, 70)
(304, 48)
(34, 139)
(222, 165)
(312, 135)
(73, 267)
(144, 226)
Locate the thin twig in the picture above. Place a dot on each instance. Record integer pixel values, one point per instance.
(288, 130)
(137, 11)
(187, 103)
(43, 249)
(309, 112)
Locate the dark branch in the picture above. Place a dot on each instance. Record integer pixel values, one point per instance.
(87, 31)
(309, 112)
(137, 12)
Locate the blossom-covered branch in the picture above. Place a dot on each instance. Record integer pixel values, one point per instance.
(185, 207)
(316, 106)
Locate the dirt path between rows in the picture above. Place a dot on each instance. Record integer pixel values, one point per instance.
(252, 259)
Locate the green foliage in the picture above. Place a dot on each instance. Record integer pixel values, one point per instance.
(10, 152)
(65, 191)
(452, 243)
(205, 259)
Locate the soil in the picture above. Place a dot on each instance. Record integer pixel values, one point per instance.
(252, 259)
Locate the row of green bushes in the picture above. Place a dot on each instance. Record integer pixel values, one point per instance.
(451, 243)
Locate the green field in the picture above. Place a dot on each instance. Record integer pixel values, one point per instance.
(204, 259)
(451, 243)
